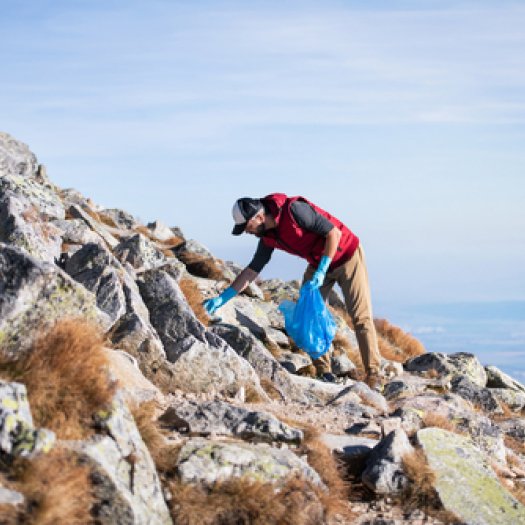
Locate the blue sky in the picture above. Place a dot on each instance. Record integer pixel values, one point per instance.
(404, 119)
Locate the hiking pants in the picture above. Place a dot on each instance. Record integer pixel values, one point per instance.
(352, 277)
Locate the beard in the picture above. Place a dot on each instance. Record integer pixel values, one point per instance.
(260, 230)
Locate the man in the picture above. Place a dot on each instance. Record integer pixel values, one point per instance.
(334, 254)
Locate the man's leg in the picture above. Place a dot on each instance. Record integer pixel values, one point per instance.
(353, 279)
(322, 364)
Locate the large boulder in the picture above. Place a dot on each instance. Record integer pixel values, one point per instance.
(453, 365)
(77, 212)
(464, 482)
(221, 418)
(208, 462)
(498, 379)
(126, 484)
(35, 295)
(200, 360)
(483, 398)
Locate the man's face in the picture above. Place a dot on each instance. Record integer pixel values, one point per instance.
(256, 225)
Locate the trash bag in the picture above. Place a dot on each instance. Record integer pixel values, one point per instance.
(309, 322)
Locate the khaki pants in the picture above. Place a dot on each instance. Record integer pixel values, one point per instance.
(352, 277)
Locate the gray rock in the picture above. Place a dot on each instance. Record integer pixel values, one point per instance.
(514, 428)
(140, 252)
(221, 418)
(408, 385)
(448, 406)
(314, 391)
(160, 231)
(16, 158)
(126, 485)
(344, 331)
(279, 291)
(22, 225)
(514, 399)
(459, 364)
(120, 218)
(201, 361)
(498, 379)
(37, 294)
(11, 498)
(95, 268)
(480, 397)
(384, 472)
(76, 212)
(207, 462)
(341, 364)
(366, 395)
(293, 362)
(349, 448)
(76, 231)
(466, 486)
(266, 366)
(18, 437)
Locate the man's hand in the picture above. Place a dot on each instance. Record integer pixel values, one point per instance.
(212, 305)
(320, 274)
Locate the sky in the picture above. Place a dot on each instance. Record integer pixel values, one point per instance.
(405, 119)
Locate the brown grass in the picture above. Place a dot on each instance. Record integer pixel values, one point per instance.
(270, 389)
(56, 487)
(65, 377)
(201, 266)
(164, 454)
(438, 421)
(243, 502)
(194, 298)
(514, 444)
(398, 345)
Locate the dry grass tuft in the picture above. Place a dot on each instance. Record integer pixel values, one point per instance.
(397, 344)
(438, 421)
(341, 344)
(65, 376)
(268, 386)
(514, 444)
(201, 266)
(164, 454)
(194, 298)
(243, 502)
(57, 489)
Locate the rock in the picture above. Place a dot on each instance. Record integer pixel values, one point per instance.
(18, 437)
(409, 385)
(366, 395)
(368, 428)
(140, 252)
(384, 472)
(10, 498)
(391, 368)
(293, 361)
(344, 331)
(160, 231)
(126, 485)
(259, 357)
(459, 364)
(120, 218)
(37, 294)
(466, 486)
(76, 231)
(95, 268)
(208, 462)
(498, 379)
(134, 387)
(76, 212)
(449, 406)
(514, 428)
(513, 399)
(341, 364)
(221, 418)
(201, 361)
(279, 291)
(350, 448)
(479, 397)
(314, 391)
(22, 225)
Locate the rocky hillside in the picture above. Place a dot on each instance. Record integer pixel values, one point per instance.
(121, 403)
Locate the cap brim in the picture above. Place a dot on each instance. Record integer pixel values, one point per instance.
(239, 228)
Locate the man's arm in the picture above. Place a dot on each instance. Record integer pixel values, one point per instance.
(332, 242)
(244, 279)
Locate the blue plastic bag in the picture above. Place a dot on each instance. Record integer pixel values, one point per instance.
(309, 322)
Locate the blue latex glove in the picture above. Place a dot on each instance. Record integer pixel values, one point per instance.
(319, 275)
(212, 305)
